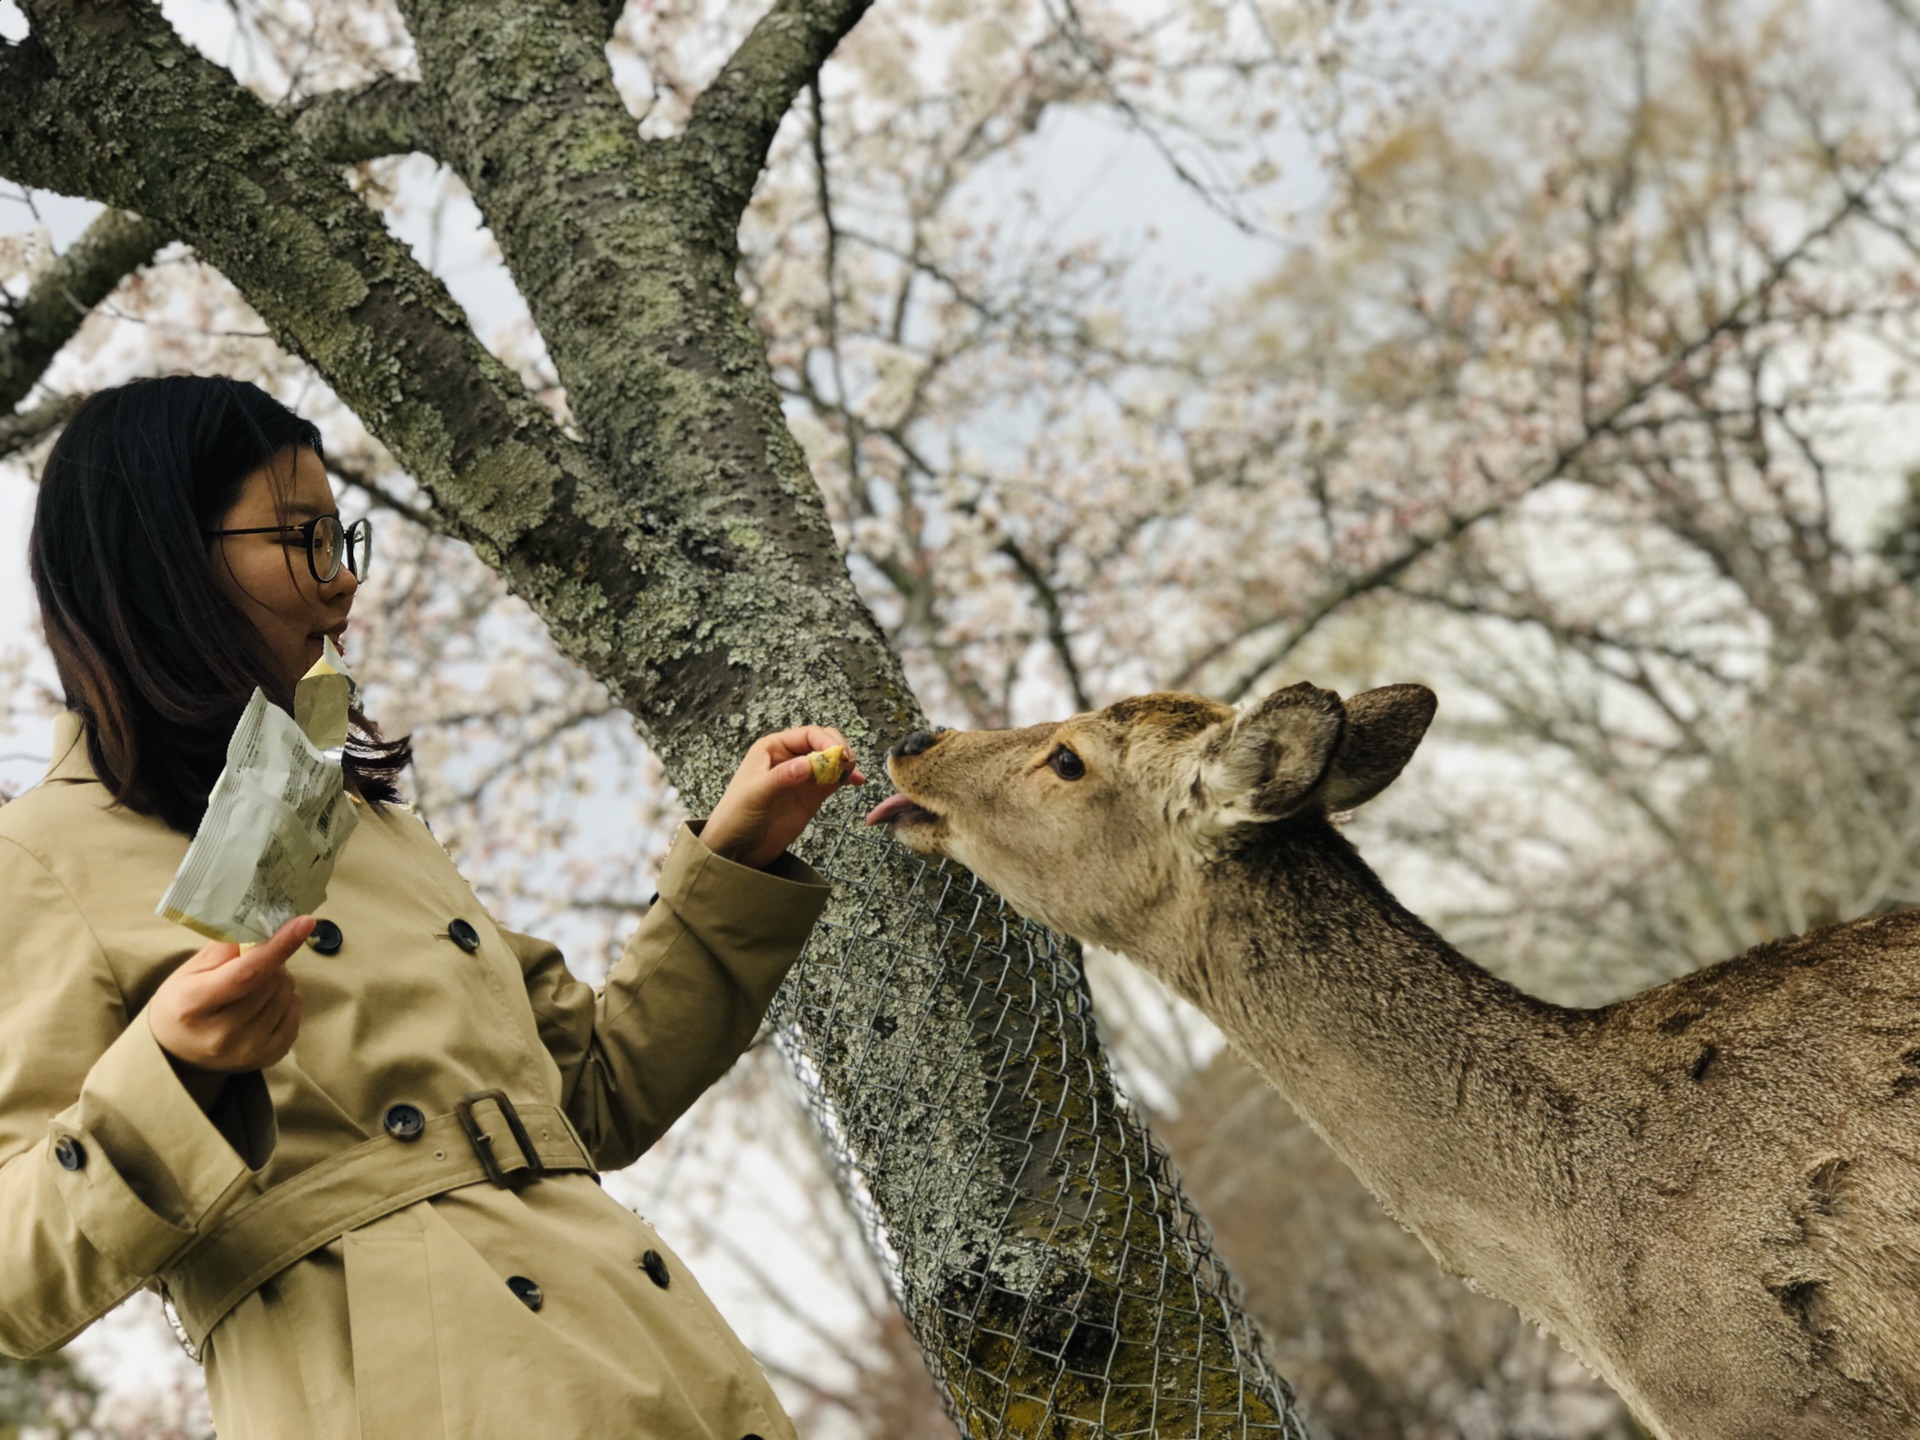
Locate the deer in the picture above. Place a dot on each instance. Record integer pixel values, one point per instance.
(1708, 1191)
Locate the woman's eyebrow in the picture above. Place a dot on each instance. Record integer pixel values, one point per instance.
(307, 510)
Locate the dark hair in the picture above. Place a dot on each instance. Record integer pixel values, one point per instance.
(155, 658)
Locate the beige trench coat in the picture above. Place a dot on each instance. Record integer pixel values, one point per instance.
(331, 1234)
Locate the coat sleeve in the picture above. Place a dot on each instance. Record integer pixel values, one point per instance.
(81, 1082)
(682, 1002)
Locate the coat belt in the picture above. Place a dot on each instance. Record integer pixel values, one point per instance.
(262, 1237)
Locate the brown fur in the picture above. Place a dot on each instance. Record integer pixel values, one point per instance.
(1710, 1191)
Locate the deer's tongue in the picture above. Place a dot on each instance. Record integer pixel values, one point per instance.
(891, 809)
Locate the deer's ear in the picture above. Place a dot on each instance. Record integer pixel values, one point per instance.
(1384, 727)
(1266, 762)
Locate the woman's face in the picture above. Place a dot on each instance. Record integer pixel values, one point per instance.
(267, 576)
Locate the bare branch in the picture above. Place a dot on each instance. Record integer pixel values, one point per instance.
(1587, 638)
(1057, 635)
(384, 498)
(734, 120)
(113, 247)
(26, 427)
(1100, 65)
(1603, 423)
(830, 267)
(533, 742)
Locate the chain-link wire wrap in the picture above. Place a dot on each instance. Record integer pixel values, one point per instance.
(1035, 1235)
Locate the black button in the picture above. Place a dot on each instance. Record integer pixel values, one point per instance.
(326, 937)
(404, 1122)
(656, 1269)
(463, 935)
(528, 1292)
(71, 1154)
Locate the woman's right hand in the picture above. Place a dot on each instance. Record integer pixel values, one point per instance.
(225, 1011)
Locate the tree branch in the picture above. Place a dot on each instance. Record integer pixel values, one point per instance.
(382, 118)
(830, 275)
(734, 120)
(25, 427)
(113, 247)
(162, 127)
(1057, 633)
(388, 116)
(384, 497)
(1600, 425)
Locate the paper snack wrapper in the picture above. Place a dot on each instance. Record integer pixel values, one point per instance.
(277, 819)
(322, 698)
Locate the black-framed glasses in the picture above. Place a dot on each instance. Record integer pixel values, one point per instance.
(329, 544)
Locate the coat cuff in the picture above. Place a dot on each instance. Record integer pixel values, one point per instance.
(757, 918)
(142, 1168)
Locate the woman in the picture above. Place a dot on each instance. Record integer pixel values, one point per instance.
(360, 1158)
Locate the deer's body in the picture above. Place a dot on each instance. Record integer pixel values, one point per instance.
(1710, 1191)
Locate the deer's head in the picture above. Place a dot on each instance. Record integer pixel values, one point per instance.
(1092, 824)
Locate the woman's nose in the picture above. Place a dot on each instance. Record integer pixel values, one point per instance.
(345, 583)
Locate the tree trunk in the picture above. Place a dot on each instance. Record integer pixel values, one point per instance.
(678, 550)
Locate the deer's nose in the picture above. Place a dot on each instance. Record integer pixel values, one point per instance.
(916, 743)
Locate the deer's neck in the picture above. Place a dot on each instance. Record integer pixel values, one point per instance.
(1445, 1089)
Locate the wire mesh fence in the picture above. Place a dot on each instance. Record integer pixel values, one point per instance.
(1036, 1236)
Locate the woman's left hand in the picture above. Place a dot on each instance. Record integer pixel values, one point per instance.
(772, 796)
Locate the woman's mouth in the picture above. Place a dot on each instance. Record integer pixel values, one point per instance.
(338, 635)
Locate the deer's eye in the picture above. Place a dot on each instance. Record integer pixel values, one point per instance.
(1066, 764)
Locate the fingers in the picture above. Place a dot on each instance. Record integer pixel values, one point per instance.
(783, 745)
(250, 1009)
(822, 738)
(238, 973)
(798, 772)
(286, 1028)
(773, 794)
(222, 955)
(229, 1009)
(786, 755)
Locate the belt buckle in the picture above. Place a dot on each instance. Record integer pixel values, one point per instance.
(482, 1142)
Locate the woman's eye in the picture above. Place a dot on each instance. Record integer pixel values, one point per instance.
(1066, 764)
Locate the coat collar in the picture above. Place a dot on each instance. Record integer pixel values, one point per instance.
(70, 759)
